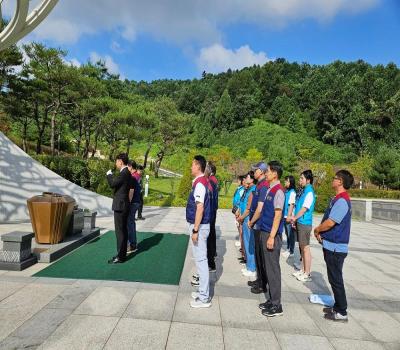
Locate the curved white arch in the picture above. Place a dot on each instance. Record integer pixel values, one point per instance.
(23, 23)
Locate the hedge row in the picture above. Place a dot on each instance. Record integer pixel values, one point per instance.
(375, 193)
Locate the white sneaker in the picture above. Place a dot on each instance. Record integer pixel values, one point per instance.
(291, 255)
(197, 304)
(286, 254)
(248, 273)
(297, 273)
(195, 295)
(304, 277)
(237, 244)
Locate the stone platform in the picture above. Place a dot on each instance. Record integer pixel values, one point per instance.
(47, 253)
(50, 313)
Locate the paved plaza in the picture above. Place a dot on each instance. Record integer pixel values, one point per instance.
(48, 313)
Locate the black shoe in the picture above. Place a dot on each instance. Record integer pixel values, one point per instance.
(336, 317)
(141, 218)
(252, 283)
(266, 305)
(212, 268)
(257, 290)
(327, 310)
(116, 260)
(274, 310)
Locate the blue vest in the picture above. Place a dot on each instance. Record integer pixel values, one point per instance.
(307, 217)
(340, 233)
(214, 186)
(256, 193)
(237, 195)
(245, 198)
(268, 211)
(191, 206)
(286, 207)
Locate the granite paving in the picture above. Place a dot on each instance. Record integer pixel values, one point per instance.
(57, 313)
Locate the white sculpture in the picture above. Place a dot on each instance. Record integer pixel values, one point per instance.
(23, 22)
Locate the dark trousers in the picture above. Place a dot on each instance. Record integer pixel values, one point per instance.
(272, 267)
(121, 232)
(260, 265)
(290, 237)
(212, 243)
(133, 207)
(334, 265)
(140, 209)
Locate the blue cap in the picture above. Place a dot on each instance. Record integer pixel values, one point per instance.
(260, 165)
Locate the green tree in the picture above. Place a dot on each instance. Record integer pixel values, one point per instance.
(52, 78)
(185, 184)
(224, 118)
(253, 155)
(172, 129)
(385, 168)
(361, 169)
(18, 104)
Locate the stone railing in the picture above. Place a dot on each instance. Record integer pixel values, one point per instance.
(379, 209)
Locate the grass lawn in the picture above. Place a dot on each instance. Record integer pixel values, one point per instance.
(162, 192)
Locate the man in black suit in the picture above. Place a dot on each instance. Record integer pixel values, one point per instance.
(121, 184)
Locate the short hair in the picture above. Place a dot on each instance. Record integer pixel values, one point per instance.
(308, 175)
(346, 177)
(140, 167)
(123, 157)
(277, 167)
(212, 169)
(132, 164)
(201, 161)
(292, 182)
(250, 174)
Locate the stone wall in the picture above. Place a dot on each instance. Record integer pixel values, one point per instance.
(380, 209)
(21, 177)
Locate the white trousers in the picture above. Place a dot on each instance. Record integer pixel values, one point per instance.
(200, 257)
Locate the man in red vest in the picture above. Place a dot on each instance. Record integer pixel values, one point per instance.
(334, 235)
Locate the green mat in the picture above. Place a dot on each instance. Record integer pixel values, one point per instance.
(160, 259)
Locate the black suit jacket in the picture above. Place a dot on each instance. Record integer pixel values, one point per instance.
(121, 184)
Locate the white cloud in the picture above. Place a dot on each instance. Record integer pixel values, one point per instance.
(216, 58)
(74, 62)
(116, 47)
(180, 21)
(112, 67)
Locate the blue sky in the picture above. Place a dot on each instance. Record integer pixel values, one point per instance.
(178, 39)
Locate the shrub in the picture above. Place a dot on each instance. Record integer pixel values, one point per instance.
(89, 174)
(375, 193)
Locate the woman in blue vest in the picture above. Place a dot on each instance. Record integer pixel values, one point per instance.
(248, 237)
(235, 209)
(303, 219)
(290, 200)
(334, 234)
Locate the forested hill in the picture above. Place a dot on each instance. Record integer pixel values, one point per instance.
(338, 113)
(346, 104)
